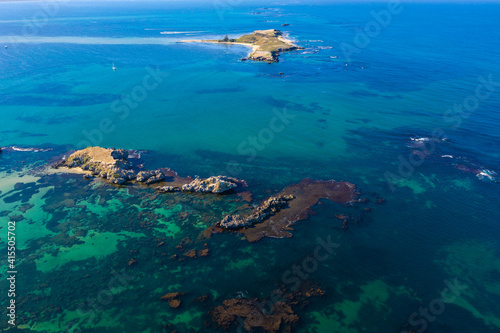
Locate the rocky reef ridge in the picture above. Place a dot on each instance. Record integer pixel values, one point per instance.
(270, 207)
(216, 184)
(274, 217)
(277, 214)
(119, 166)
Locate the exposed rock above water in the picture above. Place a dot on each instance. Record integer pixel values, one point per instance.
(167, 189)
(216, 184)
(111, 164)
(116, 166)
(270, 207)
(306, 194)
(149, 177)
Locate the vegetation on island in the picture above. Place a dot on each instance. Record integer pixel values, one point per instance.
(267, 44)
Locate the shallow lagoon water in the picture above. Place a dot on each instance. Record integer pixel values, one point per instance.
(349, 123)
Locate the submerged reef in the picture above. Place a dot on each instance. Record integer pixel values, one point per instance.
(266, 44)
(275, 216)
(76, 226)
(269, 315)
(173, 299)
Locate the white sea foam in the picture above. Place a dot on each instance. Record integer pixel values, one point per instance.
(36, 150)
(485, 173)
(179, 32)
(424, 139)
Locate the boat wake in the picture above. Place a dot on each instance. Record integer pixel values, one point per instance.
(23, 149)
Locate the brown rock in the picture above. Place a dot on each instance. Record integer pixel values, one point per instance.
(190, 254)
(203, 252)
(251, 311)
(172, 299)
(306, 194)
(201, 299)
(207, 233)
(269, 207)
(174, 303)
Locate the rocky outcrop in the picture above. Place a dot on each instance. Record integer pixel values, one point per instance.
(216, 184)
(270, 207)
(306, 194)
(269, 44)
(110, 164)
(267, 56)
(150, 177)
(167, 189)
(115, 165)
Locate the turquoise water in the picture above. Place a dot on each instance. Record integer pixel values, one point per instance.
(351, 119)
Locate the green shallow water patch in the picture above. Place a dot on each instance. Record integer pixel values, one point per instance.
(8, 183)
(346, 316)
(70, 321)
(33, 225)
(476, 266)
(235, 265)
(411, 183)
(95, 245)
(110, 206)
(167, 223)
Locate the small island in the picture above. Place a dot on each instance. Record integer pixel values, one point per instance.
(266, 44)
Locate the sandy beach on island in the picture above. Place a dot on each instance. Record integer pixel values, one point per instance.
(252, 46)
(266, 45)
(62, 169)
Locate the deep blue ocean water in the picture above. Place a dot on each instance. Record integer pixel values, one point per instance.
(423, 88)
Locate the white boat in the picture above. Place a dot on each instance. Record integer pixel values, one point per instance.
(114, 68)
